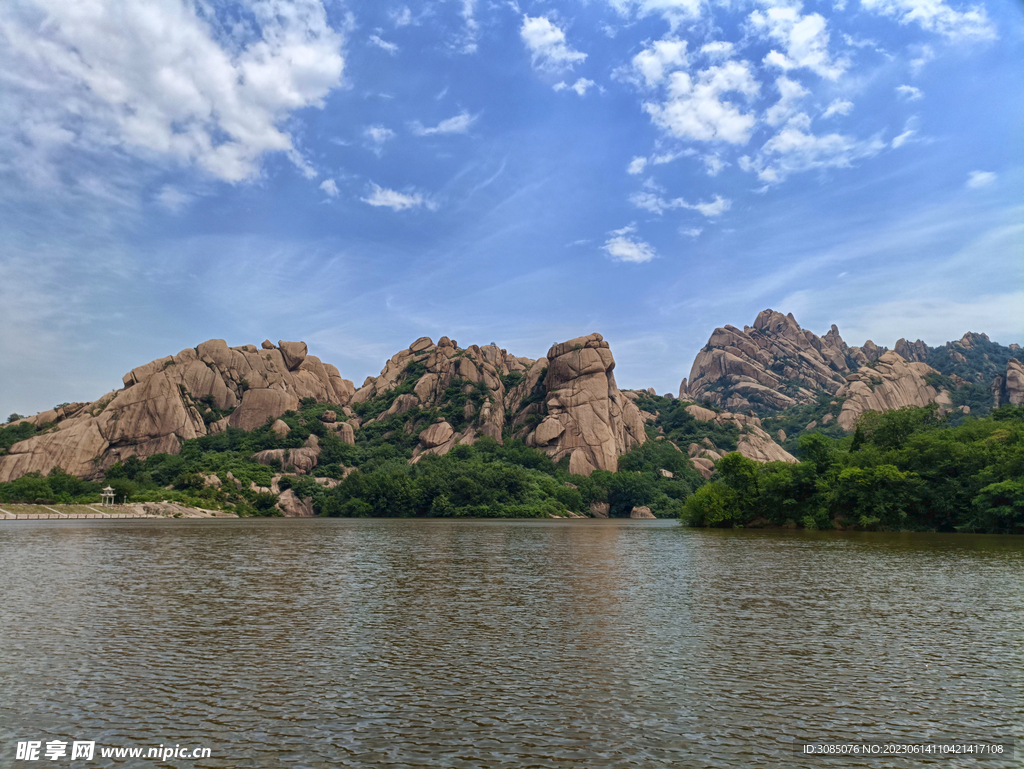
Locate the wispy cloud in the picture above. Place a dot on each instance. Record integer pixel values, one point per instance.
(909, 92)
(398, 201)
(459, 124)
(330, 187)
(936, 16)
(657, 205)
(838, 107)
(172, 198)
(391, 48)
(978, 179)
(795, 149)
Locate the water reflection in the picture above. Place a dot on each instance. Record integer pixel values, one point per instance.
(494, 643)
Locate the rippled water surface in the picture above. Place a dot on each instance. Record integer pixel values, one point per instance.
(398, 643)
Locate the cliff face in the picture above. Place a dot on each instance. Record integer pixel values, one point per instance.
(772, 365)
(163, 403)
(890, 383)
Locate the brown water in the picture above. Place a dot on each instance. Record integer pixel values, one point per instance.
(447, 643)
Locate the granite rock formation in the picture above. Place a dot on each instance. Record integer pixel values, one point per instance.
(889, 383)
(197, 392)
(1008, 389)
(587, 418)
(566, 404)
(772, 365)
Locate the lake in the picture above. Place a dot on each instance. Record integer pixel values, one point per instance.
(470, 643)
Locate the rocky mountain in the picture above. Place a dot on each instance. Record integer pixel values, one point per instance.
(199, 391)
(775, 366)
(772, 365)
(567, 404)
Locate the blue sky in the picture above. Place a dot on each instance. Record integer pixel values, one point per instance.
(359, 174)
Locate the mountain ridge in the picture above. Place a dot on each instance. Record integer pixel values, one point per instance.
(566, 403)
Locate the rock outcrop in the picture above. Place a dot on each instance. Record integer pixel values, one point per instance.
(890, 383)
(642, 512)
(772, 365)
(754, 443)
(174, 399)
(1009, 388)
(566, 404)
(587, 418)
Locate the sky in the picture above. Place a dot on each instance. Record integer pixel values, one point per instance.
(359, 174)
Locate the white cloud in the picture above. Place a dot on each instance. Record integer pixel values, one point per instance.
(794, 149)
(918, 62)
(330, 187)
(391, 48)
(902, 139)
(692, 232)
(158, 81)
(675, 12)
(548, 48)
(695, 110)
(713, 164)
(398, 201)
(454, 125)
(636, 166)
(717, 49)
(936, 16)
(804, 38)
(378, 134)
(623, 247)
(580, 86)
(652, 202)
(657, 60)
(978, 179)
(790, 92)
(468, 43)
(172, 199)
(838, 107)
(402, 17)
(909, 92)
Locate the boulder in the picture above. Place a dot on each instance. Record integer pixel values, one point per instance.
(292, 507)
(347, 434)
(260, 405)
(703, 466)
(329, 417)
(642, 512)
(294, 353)
(267, 345)
(280, 428)
(436, 434)
(599, 509)
(421, 344)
